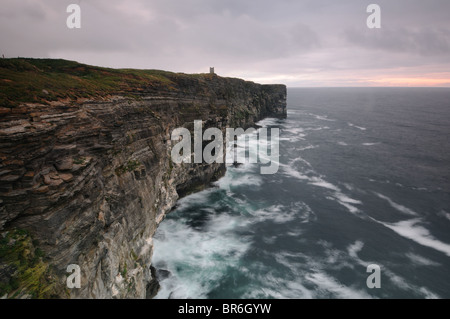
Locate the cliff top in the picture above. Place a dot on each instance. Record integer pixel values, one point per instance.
(28, 80)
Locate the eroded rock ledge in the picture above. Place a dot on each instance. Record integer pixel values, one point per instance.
(87, 182)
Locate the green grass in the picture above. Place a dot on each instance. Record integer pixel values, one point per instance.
(79, 160)
(128, 167)
(134, 255)
(124, 271)
(31, 273)
(23, 80)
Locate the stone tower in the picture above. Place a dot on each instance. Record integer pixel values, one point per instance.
(211, 70)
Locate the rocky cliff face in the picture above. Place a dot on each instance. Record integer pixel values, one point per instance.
(87, 182)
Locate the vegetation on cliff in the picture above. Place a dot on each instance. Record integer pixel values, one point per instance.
(27, 80)
(25, 272)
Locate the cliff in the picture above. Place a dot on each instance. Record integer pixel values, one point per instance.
(85, 168)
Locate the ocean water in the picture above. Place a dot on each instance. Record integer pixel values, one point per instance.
(364, 178)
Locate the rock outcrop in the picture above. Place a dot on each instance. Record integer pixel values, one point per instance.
(88, 181)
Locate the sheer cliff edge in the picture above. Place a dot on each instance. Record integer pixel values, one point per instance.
(85, 168)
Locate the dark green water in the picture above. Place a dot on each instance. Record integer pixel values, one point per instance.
(364, 178)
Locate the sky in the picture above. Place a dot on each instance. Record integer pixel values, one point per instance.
(301, 43)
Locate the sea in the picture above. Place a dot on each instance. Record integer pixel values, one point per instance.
(363, 179)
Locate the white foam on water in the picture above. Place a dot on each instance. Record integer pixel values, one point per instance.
(309, 147)
(444, 214)
(294, 130)
(229, 181)
(421, 261)
(295, 137)
(318, 181)
(281, 214)
(295, 288)
(269, 240)
(428, 294)
(310, 278)
(333, 256)
(342, 144)
(307, 214)
(197, 260)
(198, 198)
(419, 234)
(269, 121)
(277, 213)
(295, 233)
(321, 117)
(289, 171)
(335, 259)
(203, 257)
(326, 285)
(276, 287)
(224, 224)
(370, 144)
(349, 186)
(355, 248)
(398, 207)
(320, 128)
(401, 283)
(299, 159)
(352, 209)
(355, 126)
(345, 199)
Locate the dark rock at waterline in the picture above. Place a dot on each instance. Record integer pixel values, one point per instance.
(237, 164)
(153, 286)
(162, 274)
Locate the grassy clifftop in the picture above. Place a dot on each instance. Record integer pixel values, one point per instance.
(26, 80)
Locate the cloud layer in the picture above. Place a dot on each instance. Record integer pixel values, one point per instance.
(300, 43)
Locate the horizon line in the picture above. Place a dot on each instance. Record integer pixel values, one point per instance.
(368, 87)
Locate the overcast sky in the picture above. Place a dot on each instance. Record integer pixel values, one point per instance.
(296, 42)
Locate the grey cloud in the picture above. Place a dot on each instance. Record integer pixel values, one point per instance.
(264, 37)
(35, 11)
(248, 39)
(426, 41)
